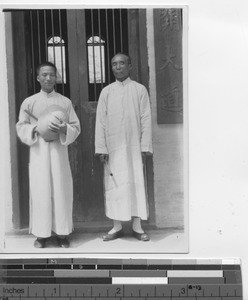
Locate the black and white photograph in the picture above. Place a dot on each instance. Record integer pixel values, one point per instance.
(98, 132)
(123, 135)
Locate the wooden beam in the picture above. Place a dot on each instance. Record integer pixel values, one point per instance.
(20, 91)
(133, 42)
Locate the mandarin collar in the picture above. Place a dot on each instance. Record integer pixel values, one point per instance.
(123, 83)
(48, 95)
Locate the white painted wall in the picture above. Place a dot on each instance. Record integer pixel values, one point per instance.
(168, 157)
(218, 129)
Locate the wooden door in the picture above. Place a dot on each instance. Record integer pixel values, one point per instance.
(84, 26)
(32, 31)
(87, 170)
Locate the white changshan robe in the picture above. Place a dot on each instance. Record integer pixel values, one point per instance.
(50, 179)
(123, 130)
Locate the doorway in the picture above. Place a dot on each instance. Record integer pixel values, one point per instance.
(81, 43)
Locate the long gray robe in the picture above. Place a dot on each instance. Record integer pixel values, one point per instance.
(123, 130)
(50, 179)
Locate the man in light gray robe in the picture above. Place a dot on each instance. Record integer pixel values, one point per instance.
(50, 179)
(122, 140)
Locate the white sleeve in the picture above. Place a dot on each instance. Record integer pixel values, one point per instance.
(25, 126)
(73, 128)
(146, 122)
(100, 130)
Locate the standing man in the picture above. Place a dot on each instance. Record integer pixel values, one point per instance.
(122, 141)
(48, 124)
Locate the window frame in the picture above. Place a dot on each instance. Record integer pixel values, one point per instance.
(95, 45)
(61, 79)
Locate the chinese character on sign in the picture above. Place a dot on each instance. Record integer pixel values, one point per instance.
(171, 101)
(170, 19)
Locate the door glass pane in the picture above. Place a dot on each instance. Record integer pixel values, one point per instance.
(56, 55)
(96, 60)
(106, 34)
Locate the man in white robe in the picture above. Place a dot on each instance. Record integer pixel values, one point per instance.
(50, 179)
(122, 140)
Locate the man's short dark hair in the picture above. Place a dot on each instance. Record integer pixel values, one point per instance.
(45, 64)
(125, 54)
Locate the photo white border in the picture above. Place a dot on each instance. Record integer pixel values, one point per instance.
(185, 96)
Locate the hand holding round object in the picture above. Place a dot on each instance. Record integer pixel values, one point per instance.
(59, 115)
(53, 114)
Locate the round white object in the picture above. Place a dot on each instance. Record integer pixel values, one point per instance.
(55, 114)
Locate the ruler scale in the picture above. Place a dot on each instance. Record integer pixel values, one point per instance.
(99, 279)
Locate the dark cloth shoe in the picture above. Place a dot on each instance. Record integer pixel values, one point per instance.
(63, 242)
(141, 236)
(40, 243)
(112, 236)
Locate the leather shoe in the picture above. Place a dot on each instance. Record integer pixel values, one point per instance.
(40, 243)
(63, 242)
(141, 236)
(112, 236)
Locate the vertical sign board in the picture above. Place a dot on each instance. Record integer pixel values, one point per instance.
(169, 65)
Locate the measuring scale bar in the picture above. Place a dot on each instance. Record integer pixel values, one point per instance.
(116, 291)
(120, 279)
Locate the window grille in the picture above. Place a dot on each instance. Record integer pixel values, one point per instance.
(48, 42)
(96, 59)
(56, 55)
(106, 35)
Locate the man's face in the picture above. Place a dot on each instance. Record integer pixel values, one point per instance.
(120, 67)
(47, 78)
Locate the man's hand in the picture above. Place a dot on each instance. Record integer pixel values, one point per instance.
(63, 128)
(58, 126)
(104, 158)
